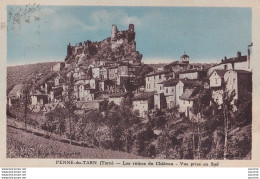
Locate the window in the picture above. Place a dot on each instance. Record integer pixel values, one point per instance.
(166, 90)
(216, 80)
(159, 76)
(234, 80)
(225, 67)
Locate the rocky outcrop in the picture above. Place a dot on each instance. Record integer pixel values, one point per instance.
(121, 46)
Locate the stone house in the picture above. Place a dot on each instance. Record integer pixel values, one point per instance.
(123, 70)
(143, 103)
(38, 98)
(113, 72)
(96, 72)
(122, 79)
(15, 94)
(177, 66)
(240, 82)
(58, 67)
(153, 79)
(80, 75)
(169, 90)
(182, 85)
(93, 83)
(187, 100)
(86, 93)
(103, 73)
(106, 85)
(56, 80)
(76, 91)
(55, 94)
(65, 90)
(217, 85)
(235, 63)
(117, 98)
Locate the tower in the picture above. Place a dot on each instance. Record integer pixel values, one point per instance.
(131, 33)
(131, 27)
(114, 32)
(185, 58)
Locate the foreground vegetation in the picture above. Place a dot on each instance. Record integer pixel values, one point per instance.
(21, 144)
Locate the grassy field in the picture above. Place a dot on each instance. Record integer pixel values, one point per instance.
(21, 144)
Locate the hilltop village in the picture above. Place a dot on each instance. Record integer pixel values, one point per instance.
(112, 70)
(103, 96)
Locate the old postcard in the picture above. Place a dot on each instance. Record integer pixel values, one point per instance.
(133, 84)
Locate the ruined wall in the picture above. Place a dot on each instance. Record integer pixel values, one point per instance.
(120, 46)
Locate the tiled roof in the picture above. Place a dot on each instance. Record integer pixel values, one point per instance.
(170, 82)
(192, 71)
(143, 96)
(243, 71)
(37, 93)
(16, 89)
(193, 83)
(221, 73)
(233, 60)
(156, 73)
(236, 59)
(57, 91)
(184, 56)
(189, 94)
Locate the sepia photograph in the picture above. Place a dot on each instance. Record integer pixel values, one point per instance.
(129, 82)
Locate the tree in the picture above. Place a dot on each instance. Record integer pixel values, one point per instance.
(227, 110)
(198, 108)
(70, 105)
(57, 118)
(23, 103)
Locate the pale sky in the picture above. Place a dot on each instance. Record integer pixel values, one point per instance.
(162, 33)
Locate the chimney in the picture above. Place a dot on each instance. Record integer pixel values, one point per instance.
(225, 58)
(238, 54)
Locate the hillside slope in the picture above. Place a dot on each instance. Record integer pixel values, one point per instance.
(26, 145)
(24, 73)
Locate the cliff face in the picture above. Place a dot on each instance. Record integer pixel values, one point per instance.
(121, 46)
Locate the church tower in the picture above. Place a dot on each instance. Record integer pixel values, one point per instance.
(185, 58)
